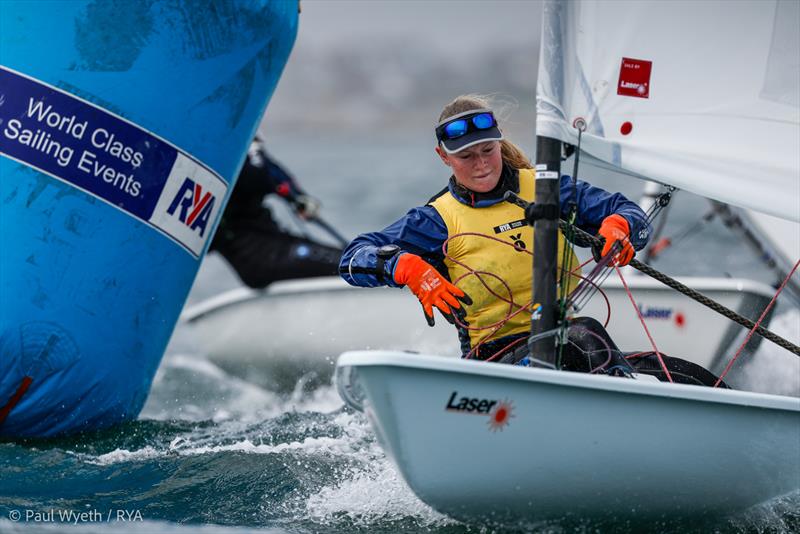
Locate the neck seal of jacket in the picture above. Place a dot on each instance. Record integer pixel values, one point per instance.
(509, 181)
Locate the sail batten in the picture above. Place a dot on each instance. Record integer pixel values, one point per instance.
(699, 95)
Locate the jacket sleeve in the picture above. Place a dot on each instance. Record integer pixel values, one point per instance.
(595, 204)
(421, 231)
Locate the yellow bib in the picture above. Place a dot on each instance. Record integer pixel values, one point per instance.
(499, 254)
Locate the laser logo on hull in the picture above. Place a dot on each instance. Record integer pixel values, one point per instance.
(654, 312)
(499, 412)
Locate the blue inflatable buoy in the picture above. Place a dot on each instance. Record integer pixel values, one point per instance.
(122, 128)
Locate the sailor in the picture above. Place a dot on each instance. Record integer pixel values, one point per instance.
(259, 250)
(483, 281)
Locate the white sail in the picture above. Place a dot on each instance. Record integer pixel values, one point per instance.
(701, 95)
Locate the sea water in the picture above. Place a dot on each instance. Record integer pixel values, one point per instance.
(213, 452)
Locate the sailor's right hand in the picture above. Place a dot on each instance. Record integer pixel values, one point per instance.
(615, 229)
(430, 287)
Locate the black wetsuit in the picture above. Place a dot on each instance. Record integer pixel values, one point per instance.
(258, 249)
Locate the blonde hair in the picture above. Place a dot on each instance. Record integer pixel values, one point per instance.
(511, 153)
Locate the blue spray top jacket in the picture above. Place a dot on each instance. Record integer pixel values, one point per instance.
(422, 231)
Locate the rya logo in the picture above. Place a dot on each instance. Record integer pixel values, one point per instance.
(195, 205)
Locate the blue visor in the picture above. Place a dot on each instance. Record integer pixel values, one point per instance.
(466, 129)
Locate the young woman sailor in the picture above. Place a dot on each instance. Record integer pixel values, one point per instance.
(484, 166)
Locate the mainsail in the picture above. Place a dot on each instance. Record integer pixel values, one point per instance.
(704, 96)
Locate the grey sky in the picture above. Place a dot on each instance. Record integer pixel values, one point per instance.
(365, 64)
(453, 26)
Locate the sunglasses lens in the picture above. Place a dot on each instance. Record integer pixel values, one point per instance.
(456, 128)
(484, 121)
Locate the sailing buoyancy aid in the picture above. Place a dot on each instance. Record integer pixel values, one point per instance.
(503, 259)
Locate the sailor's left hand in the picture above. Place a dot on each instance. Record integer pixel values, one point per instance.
(615, 229)
(306, 206)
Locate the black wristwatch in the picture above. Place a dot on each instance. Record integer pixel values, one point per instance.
(386, 252)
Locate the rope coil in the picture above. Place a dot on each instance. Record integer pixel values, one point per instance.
(514, 308)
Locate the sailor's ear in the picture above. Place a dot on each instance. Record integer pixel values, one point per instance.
(443, 155)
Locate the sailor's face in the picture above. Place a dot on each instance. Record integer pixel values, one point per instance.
(478, 167)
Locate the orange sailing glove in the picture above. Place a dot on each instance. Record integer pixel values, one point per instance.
(430, 287)
(615, 229)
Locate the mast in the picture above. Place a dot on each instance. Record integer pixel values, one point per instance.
(544, 215)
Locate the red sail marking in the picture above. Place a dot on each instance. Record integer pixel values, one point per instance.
(15, 398)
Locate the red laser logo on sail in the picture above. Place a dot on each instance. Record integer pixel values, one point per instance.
(634, 78)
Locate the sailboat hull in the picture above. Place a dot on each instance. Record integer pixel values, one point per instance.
(300, 326)
(570, 443)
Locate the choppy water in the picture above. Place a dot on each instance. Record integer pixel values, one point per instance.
(212, 448)
(213, 452)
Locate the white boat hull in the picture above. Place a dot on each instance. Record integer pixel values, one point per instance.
(301, 326)
(574, 444)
